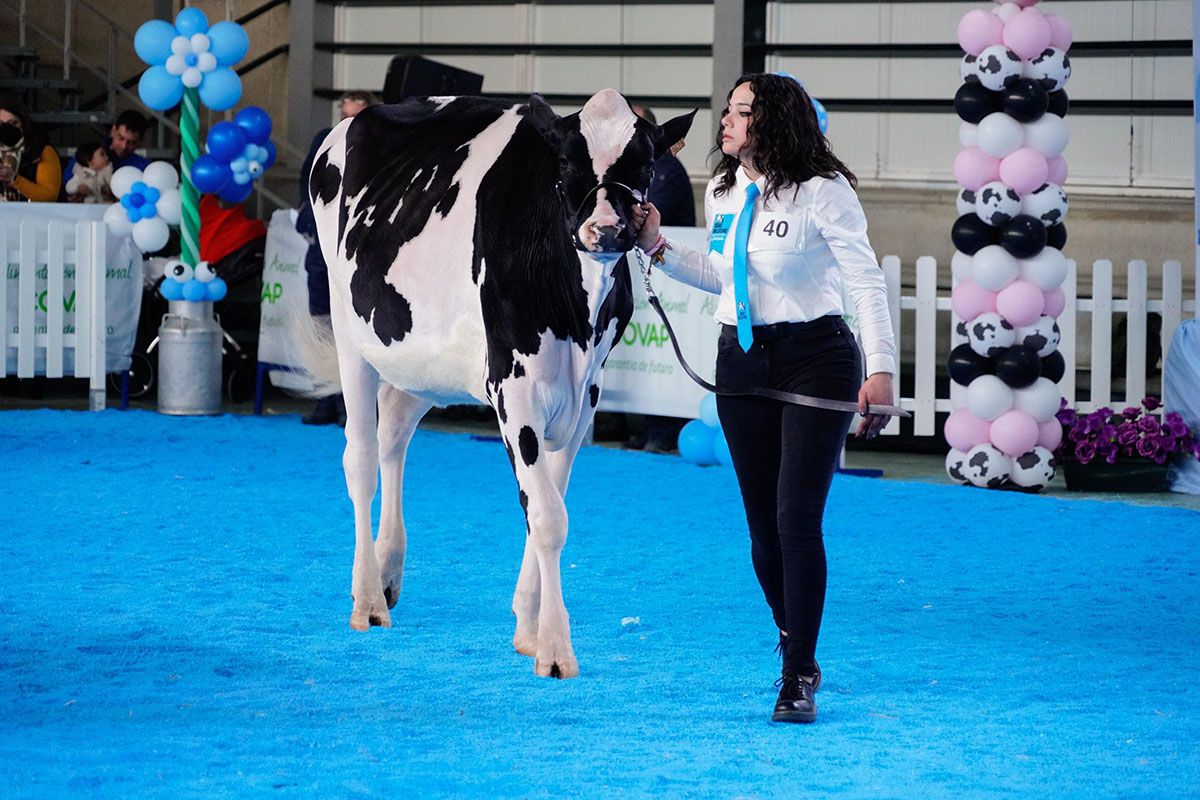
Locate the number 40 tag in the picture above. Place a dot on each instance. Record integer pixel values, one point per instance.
(774, 232)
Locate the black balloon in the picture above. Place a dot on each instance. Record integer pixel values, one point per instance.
(1053, 366)
(1056, 236)
(965, 365)
(1025, 100)
(1024, 236)
(1018, 366)
(974, 101)
(971, 234)
(1059, 103)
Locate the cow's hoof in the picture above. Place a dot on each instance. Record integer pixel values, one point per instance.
(365, 620)
(525, 642)
(391, 594)
(562, 668)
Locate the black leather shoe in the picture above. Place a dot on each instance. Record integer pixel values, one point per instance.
(815, 678)
(795, 703)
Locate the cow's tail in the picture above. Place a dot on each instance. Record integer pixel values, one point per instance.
(312, 338)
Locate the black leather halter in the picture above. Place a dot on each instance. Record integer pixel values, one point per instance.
(574, 216)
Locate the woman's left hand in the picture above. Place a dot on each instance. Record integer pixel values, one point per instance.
(875, 391)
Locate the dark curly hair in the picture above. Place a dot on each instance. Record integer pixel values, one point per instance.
(789, 147)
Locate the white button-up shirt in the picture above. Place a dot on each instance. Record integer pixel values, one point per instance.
(806, 244)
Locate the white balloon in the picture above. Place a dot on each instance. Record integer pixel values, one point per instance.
(997, 66)
(996, 204)
(988, 397)
(150, 234)
(1006, 11)
(1048, 135)
(170, 207)
(993, 268)
(958, 395)
(1033, 470)
(986, 467)
(990, 334)
(178, 271)
(1043, 336)
(965, 202)
(117, 220)
(1039, 399)
(162, 176)
(955, 461)
(1000, 135)
(961, 266)
(204, 272)
(123, 180)
(1047, 203)
(1047, 270)
(1052, 69)
(968, 135)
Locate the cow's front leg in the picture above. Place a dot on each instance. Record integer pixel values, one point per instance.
(399, 414)
(546, 520)
(526, 600)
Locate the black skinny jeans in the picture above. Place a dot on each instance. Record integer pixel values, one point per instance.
(785, 456)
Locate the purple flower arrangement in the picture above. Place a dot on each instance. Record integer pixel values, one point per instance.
(1105, 435)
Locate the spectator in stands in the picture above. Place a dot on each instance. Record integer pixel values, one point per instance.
(328, 409)
(124, 138)
(29, 167)
(91, 177)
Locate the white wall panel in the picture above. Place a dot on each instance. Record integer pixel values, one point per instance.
(1099, 151)
(1100, 20)
(399, 24)
(679, 75)
(668, 24)
(854, 136)
(1162, 153)
(473, 24)
(577, 24)
(1172, 19)
(927, 23)
(916, 147)
(575, 75)
(828, 23)
(924, 78)
(833, 77)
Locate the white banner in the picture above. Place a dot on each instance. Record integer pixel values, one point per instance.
(642, 375)
(284, 291)
(122, 290)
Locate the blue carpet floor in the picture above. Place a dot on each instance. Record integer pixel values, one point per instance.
(174, 605)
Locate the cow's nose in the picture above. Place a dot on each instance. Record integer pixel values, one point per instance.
(609, 236)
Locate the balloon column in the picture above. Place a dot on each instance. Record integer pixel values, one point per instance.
(147, 202)
(237, 154)
(1008, 266)
(702, 441)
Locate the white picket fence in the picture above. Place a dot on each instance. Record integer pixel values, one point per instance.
(1101, 306)
(42, 254)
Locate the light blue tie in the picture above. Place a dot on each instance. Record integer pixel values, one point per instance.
(741, 288)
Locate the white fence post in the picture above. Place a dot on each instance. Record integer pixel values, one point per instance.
(1068, 326)
(1172, 304)
(1102, 307)
(1135, 334)
(56, 265)
(925, 385)
(891, 275)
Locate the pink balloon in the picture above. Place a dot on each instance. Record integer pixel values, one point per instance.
(1061, 34)
(1056, 170)
(1027, 34)
(1021, 303)
(1056, 302)
(973, 168)
(1021, 3)
(1024, 171)
(1014, 433)
(969, 300)
(964, 430)
(979, 29)
(1050, 434)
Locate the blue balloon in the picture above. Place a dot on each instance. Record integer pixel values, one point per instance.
(822, 116)
(696, 443)
(221, 89)
(127, 200)
(721, 449)
(152, 42)
(708, 411)
(152, 194)
(191, 21)
(226, 141)
(171, 290)
(255, 122)
(228, 42)
(235, 192)
(216, 289)
(269, 159)
(209, 174)
(160, 89)
(132, 214)
(195, 291)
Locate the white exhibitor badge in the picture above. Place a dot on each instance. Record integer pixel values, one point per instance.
(774, 231)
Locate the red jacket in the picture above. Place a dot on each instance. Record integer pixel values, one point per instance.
(223, 230)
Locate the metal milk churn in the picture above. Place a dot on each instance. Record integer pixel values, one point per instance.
(189, 360)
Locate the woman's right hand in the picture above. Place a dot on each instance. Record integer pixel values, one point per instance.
(646, 220)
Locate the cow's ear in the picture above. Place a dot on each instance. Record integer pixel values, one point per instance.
(544, 120)
(673, 132)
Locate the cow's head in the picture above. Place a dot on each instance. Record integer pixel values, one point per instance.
(606, 157)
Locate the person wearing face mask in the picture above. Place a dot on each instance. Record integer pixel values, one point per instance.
(786, 235)
(29, 167)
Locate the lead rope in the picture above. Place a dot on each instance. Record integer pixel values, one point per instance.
(770, 394)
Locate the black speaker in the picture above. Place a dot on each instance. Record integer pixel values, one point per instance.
(416, 76)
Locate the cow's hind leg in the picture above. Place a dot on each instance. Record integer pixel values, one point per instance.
(360, 384)
(399, 413)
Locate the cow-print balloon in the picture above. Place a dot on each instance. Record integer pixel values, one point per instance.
(990, 334)
(986, 467)
(956, 461)
(1042, 336)
(996, 204)
(967, 68)
(965, 202)
(1033, 470)
(997, 66)
(1052, 69)
(1047, 204)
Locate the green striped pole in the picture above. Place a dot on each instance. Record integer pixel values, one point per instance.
(189, 128)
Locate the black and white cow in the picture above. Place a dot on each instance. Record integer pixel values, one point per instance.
(476, 253)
